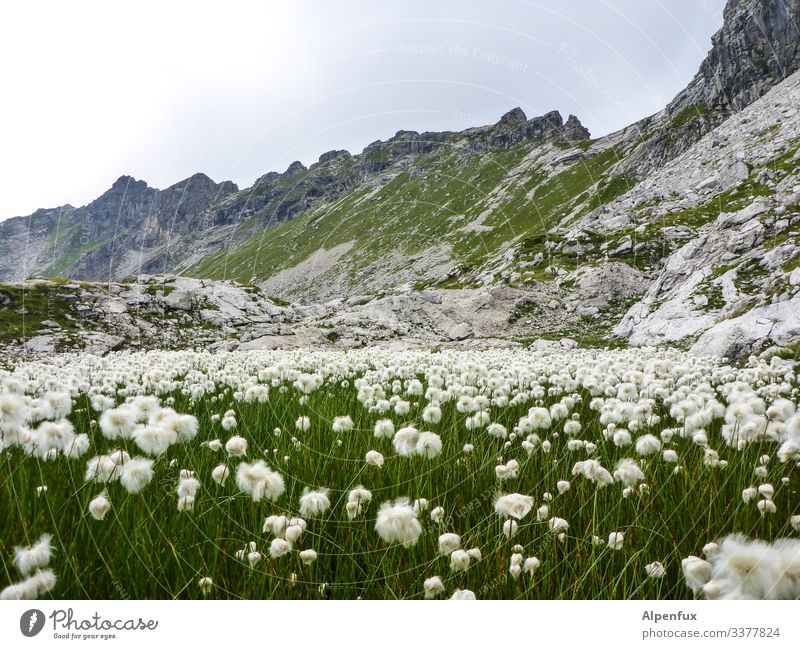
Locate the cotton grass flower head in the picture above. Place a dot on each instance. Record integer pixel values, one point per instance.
(220, 474)
(562, 486)
(276, 525)
(102, 468)
(302, 424)
(314, 502)
(39, 583)
(279, 547)
(437, 514)
(34, 557)
(766, 506)
(374, 458)
(433, 586)
(259, 481)
(648, 444)
(449, 543)
(510, 528)
(594, 471)
(428, 445)
(206, 584)
(531, 565)
(628, 472)
(513, 505)
(308, 556)
(236, 446)
(384, 428)
(342, 424)
(293, 534)
(432, 415)
(616, 540)
(136, 474)
(397, 523)
(655, 570)
(696, 573)
(99, 506)
(749, 494)
(405, 441)
(497, 430)
(118, 423)
(154, 440)
(459, 561)
(462, 594)
(754, 569)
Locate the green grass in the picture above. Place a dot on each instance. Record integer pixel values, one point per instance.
(24, 308)
(147, 549)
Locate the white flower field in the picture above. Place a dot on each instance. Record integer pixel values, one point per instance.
(383, 474)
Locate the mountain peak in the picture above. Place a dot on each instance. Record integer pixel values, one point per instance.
(513, 117)
(757, 47)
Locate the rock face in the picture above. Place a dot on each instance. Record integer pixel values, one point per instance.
(757, 47)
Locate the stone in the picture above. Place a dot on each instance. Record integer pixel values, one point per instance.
(461, 331)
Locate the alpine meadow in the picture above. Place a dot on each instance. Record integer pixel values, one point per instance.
(512, 361)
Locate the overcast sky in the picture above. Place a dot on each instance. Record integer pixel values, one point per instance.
(161, 90)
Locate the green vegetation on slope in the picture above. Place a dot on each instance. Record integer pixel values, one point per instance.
(467, 205)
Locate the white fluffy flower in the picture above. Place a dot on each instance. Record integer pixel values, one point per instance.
(510, 528)
(405, 441)
(99, 506)
(259, 481)
(308, 556)
(314, 502)
(648, 444)
(696, 572)
(449, 542)
(154, 440)
(462, 594)
(279, 547)
(433, 586)
(384, 428)
(374, 458)
(397, 523)
(205, 584)
(236, 446)
(514, 505)
(459, 561)
(34, 557)
(531, 565)
(220, 474)
(437, 514)
(428, 445)
(628, 472)
(616, 540)
(342, 424)
(136, 474)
